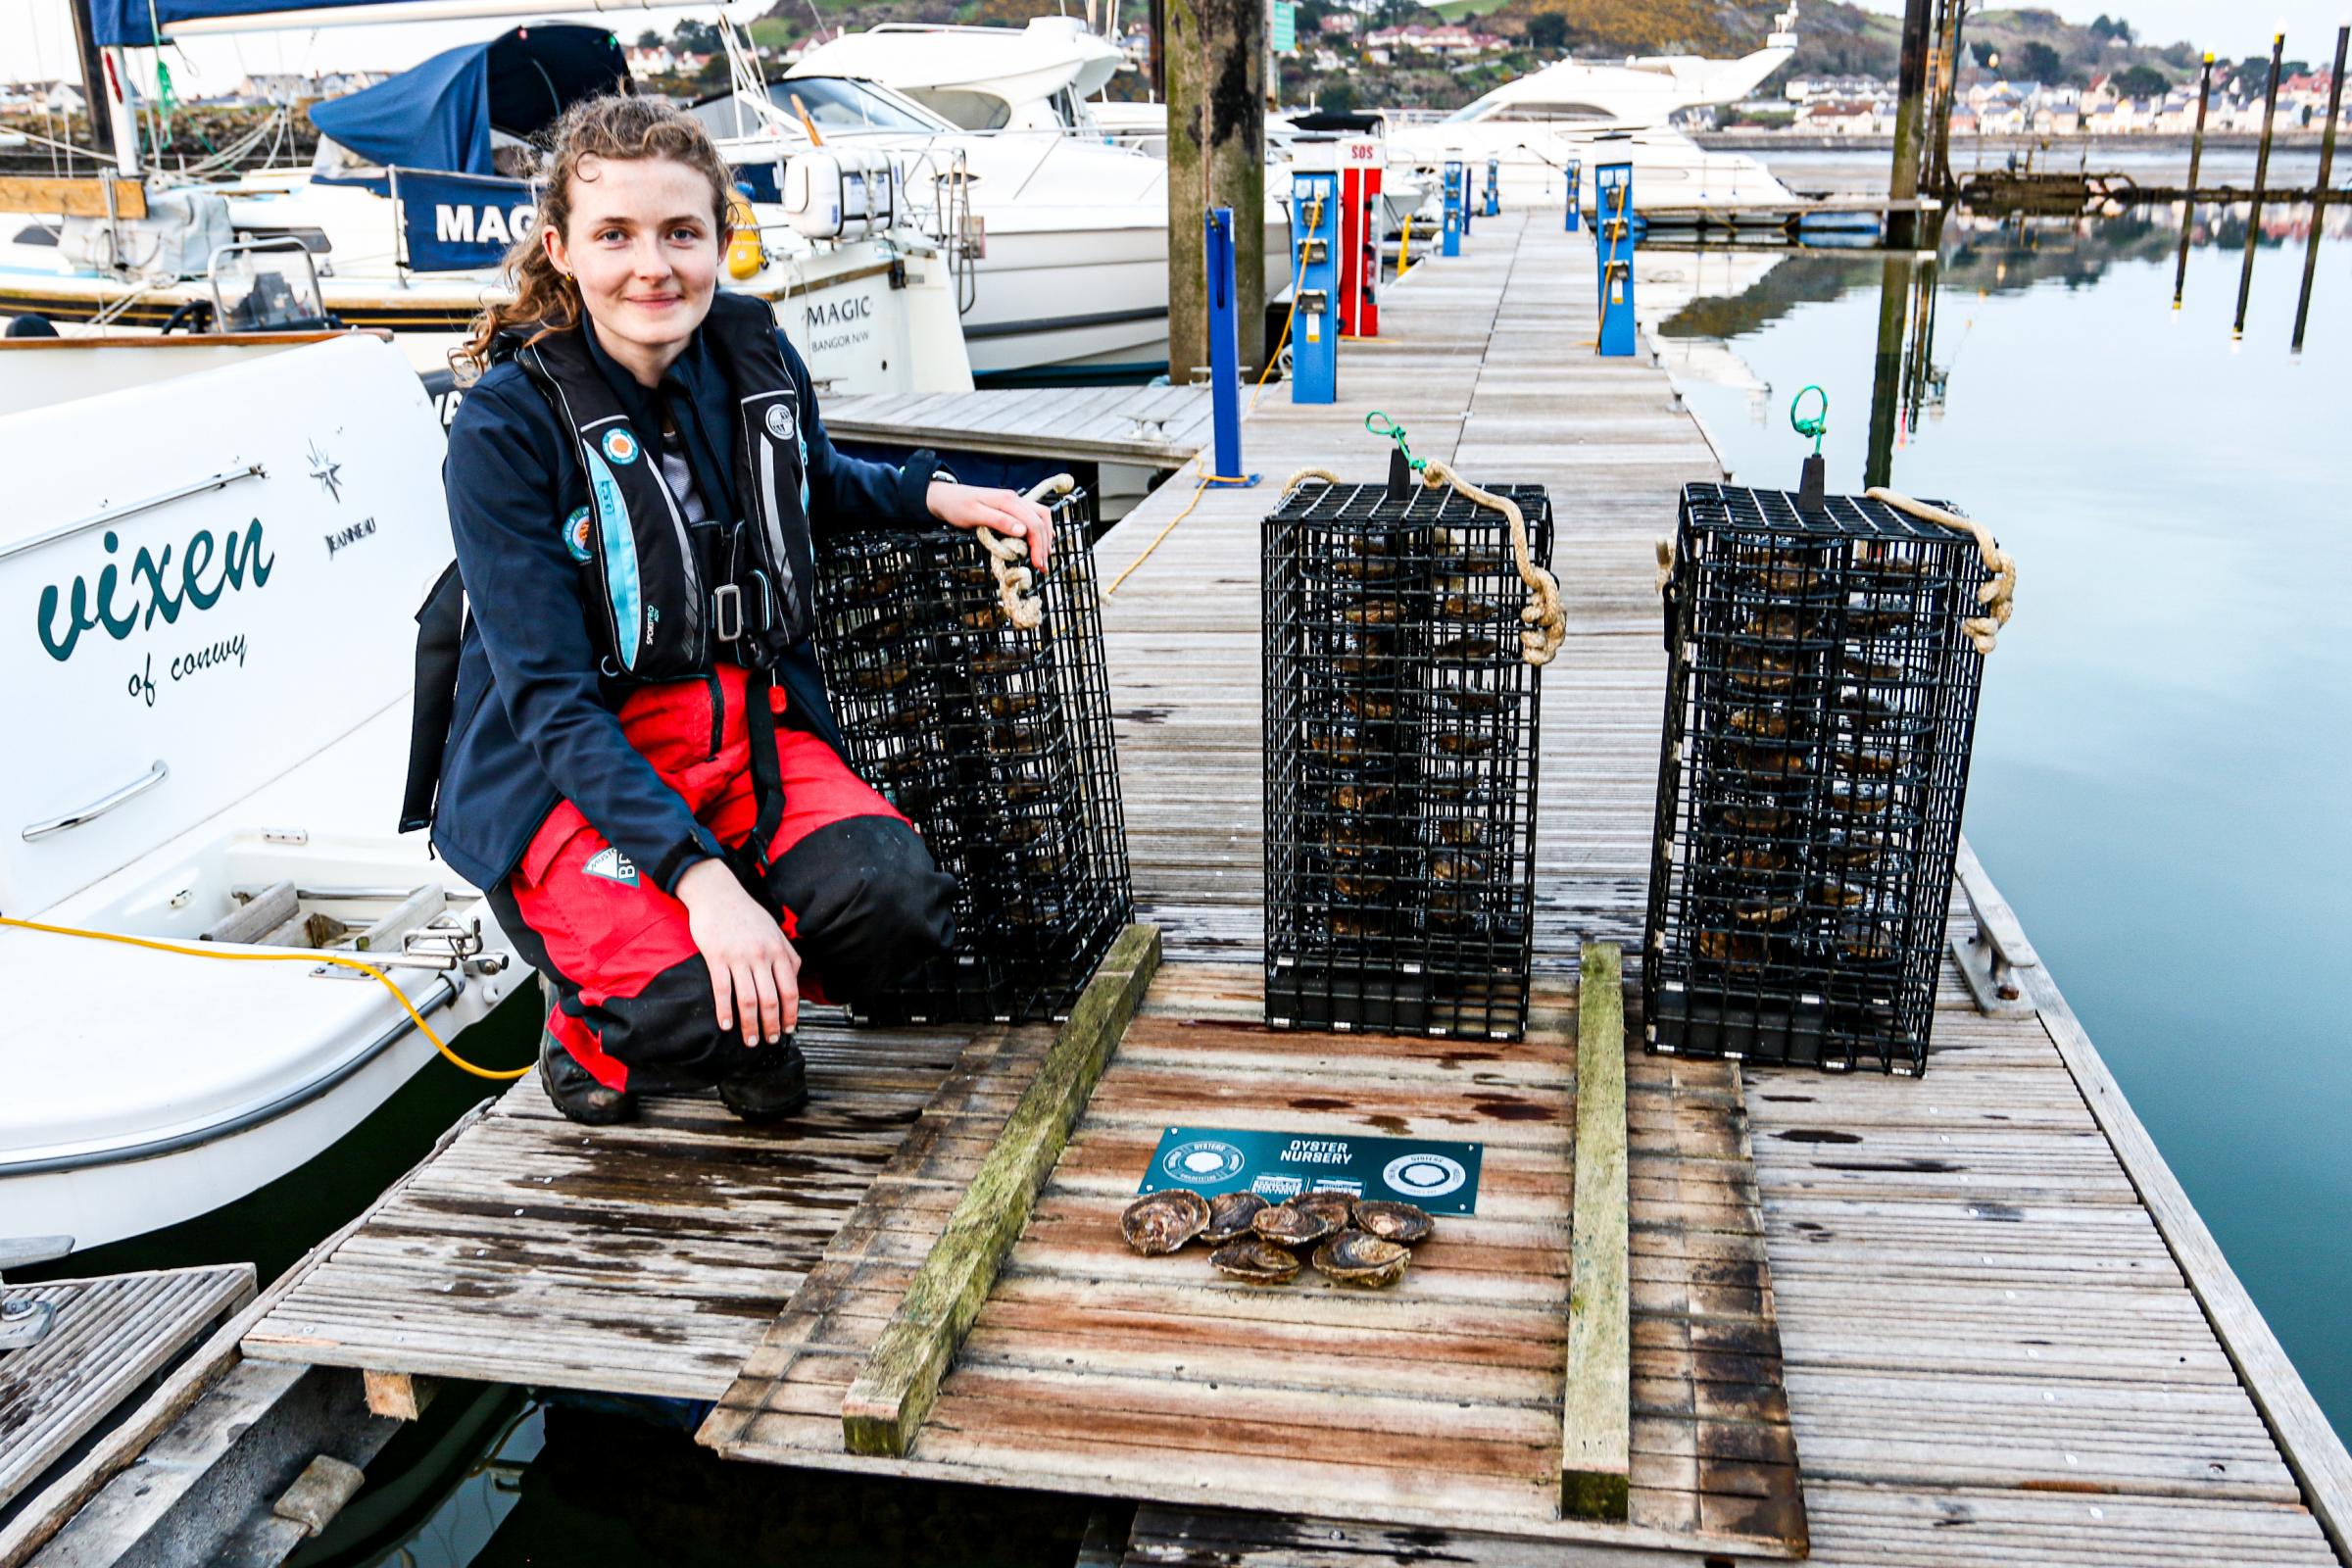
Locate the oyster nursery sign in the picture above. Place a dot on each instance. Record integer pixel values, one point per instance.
(1440, 1177)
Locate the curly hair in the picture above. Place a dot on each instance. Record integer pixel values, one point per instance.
(611, 127)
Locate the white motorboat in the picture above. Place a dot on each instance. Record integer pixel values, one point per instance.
(1597, 113)
(219, 543)
(1067, 234)
(402, 220)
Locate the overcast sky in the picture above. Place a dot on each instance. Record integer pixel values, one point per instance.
(36, 39)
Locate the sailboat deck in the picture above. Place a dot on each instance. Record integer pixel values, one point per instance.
(2005, 1334)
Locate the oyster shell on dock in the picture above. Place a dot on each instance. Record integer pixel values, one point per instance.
(1290, 1225)
(1257, 1260)
(1229, 1216)
(1403, 1223)
(1161, 1222)
(1358, 1258)
(1337, 1207)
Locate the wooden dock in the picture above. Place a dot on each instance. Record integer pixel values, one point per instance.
(1152, 427)
(1968, 1319)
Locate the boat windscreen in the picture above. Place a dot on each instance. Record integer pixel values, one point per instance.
(839, 103)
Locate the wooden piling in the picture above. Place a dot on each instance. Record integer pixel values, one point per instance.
(1902, 222)
(1948, 89)
(2196, 156)
(2262, 174)
(1213, 60)
(2319, 190)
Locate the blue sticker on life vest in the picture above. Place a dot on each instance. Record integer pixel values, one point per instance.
(622, 586)
(576, 535)
(802, 442)
(621, 446)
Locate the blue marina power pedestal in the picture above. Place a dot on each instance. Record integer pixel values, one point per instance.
(1576, 181)
(1456, 207)
(1314, 320)
(1224, 350)
(1613, 244)
(1493, 207)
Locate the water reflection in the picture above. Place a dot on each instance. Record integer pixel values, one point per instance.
(2162, 752)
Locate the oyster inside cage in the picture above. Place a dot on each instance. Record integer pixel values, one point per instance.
(1355, 1257)
(1161, 1222)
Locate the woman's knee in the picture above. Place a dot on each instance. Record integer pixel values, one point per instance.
(868, 903)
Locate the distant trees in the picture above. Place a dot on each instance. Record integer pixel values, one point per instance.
(2036, 60)
(1547, 32)
(2139, 81)
(2111, 30)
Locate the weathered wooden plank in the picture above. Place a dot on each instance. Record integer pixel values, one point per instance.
(886, 1406)
(1596, 1449)
(64, 196)
(106, 1338)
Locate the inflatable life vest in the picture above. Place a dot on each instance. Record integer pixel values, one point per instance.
(665, 606)
(668, 610)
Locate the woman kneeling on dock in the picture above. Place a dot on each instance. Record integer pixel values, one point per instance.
(642, 768)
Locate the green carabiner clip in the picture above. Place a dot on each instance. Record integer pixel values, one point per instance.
(1818, 425)
(1381, 425)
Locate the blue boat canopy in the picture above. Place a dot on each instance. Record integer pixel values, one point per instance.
(439, 115)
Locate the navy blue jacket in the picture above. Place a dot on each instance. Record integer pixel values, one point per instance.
(534, 723)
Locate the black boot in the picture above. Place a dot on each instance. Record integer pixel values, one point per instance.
(573, 1088)
(772, 1084)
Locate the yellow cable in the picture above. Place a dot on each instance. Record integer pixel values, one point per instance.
(300, 956)
(1199, 491)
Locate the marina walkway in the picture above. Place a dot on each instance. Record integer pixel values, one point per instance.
(2003, 1335)
(2004, 1325)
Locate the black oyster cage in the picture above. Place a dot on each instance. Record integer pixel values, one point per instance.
(1820, 708)
(997, 743)
(1399, 762)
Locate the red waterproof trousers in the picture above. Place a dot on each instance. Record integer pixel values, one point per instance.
(848, 879)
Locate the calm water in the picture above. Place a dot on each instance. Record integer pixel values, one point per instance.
(2167, 725)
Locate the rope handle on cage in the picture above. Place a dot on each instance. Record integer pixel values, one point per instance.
(1997, 593)
(1016, 583)
(1542, 619)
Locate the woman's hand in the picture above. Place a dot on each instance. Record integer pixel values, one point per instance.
(754, 973)
(1005, 512)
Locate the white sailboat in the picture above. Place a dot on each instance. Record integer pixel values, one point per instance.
(1598, 113)
(401, 223)
(218, 697)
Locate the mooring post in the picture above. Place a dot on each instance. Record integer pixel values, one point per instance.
(2318, 191)
(2261, 173)
(2196, 156)
(1222, 295)
(1911, 80)
(1213, 60)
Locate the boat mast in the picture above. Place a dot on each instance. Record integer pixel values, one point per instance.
(112, 129)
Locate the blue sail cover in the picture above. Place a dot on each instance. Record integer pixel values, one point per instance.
(439, 115)
(132, 22)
